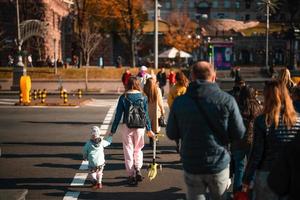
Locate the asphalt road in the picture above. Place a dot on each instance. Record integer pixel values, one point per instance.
(41, 152)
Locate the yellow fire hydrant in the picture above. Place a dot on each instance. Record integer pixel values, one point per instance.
(25, 87)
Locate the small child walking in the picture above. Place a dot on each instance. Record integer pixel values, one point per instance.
(93, 151)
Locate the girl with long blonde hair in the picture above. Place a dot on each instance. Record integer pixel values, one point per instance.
(285, 78)
(273, 130)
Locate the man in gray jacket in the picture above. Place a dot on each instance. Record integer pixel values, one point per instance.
(206, 119)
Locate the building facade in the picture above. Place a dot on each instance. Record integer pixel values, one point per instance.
(55, 42)
(248, 49)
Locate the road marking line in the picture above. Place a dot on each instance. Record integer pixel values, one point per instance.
(106, 121)
(84, 165)
(104, 127)
(79, 179)
(71, 196)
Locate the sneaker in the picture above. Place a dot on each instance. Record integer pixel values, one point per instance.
(132, 181)
(138, 176)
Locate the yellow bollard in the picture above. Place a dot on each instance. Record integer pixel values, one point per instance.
(25, 86)
(34, 94)
(79, 93)
(44, 95)
(65, 97)
(39, 93)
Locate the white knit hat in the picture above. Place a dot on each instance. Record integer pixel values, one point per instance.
(96, 132)
(143, 68)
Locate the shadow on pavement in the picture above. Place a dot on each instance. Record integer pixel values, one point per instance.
(46, 143)
(63, 122)
(168, 194)
(62, 155)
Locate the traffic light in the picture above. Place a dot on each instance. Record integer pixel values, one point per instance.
(210, 50)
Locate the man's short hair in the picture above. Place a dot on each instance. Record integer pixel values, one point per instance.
(202, 70)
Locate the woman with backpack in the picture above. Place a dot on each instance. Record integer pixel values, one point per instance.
(133, 106)
(155, 104)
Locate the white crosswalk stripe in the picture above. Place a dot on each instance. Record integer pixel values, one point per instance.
(8, 102)
(101, 102)
(109, 102)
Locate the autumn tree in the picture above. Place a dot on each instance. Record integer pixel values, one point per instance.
(182, 33)
(88, 27)
(128, 18)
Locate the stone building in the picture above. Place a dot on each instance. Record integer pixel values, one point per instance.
(56, 41)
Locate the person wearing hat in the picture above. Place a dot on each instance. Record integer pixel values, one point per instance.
(143, 76)
(93, 151)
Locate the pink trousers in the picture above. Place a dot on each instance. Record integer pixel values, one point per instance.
(133, 142)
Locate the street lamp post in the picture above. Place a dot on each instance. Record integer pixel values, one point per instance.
(267, 33)
(156, 34)
(18, 69)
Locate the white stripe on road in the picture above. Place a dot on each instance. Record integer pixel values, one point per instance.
(84, 165)
(80, 178)
(71, 196)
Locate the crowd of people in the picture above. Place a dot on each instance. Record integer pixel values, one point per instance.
(217, 133)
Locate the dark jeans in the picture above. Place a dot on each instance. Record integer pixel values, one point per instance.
(239, 158)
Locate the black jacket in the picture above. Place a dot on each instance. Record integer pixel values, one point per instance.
(267, 145)
(285, 173)
(202, 152)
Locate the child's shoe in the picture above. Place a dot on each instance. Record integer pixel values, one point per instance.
(97, 186)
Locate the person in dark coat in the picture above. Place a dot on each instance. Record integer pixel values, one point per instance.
(162, 80)
(273, 130)
(205, 133)
(285, 174)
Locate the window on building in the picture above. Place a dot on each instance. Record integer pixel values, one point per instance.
(221, 15)
(247, 4)
(168, 5)
(58, 22)
(203, 5)
(237, 4)
(53, 19)
(215, 4)
(247, 17)
(191, 4)
(179, 4)
(226, 4)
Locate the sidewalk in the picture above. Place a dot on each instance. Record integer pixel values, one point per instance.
(52, 86)
(111, 87)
